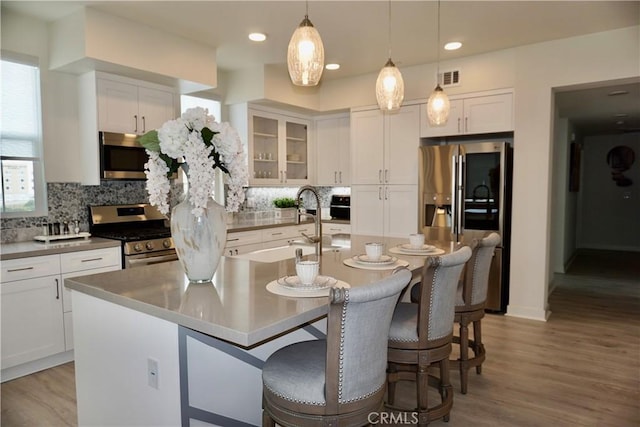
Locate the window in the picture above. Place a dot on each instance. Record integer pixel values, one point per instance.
(23, 191)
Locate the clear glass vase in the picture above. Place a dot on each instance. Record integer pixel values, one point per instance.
(199, 241)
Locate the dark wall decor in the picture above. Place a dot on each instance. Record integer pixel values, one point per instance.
(620, 159)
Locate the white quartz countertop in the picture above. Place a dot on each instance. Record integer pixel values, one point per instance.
(32, 248)
(235, 307)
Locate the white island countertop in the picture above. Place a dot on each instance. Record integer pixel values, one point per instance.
(236, 307)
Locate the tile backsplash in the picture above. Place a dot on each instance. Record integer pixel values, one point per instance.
(69, 202)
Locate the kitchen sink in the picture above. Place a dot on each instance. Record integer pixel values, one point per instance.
(281, 253)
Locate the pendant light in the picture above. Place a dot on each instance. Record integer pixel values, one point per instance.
(389, 86)
(305, 56)
(438, 104)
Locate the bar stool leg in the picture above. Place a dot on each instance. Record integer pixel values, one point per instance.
(464, 354)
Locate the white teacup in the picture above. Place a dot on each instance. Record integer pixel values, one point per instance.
(416, 241)
(374, 250)
(307, 271)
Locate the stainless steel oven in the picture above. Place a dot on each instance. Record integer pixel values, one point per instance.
(142, 229)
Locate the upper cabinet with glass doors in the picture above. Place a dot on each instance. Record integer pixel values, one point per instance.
(278, 149)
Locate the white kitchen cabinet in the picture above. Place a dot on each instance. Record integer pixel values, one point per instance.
(473, 115)
(36, 308)
(333, 154)
(75, 264)
(279, 151)
(283, 236)
(384, 210)
(331, 228)
(32, 321)
(384, 146)
(130, 107)
(242, 242)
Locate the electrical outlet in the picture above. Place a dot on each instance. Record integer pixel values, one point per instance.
(152, 373)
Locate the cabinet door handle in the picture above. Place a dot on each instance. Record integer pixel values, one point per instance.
(379, 193)
(276, 234)
(466, 124)
(91, 259)
(380, 176)
(386, 175)
(458, 124)
(233, 240)
(144, 125)
(135, 117)
(11, 270)
(335, 177)
(386, 193)
(340, 174)
(236, 252)
(57, 289)
(281, 180)
(284, 173)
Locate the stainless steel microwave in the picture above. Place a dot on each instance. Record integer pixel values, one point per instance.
(121, 156)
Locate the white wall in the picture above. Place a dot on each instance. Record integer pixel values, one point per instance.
(59, 106)
(609, 215)
(540, 68)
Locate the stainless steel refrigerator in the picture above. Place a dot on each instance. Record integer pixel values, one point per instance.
(465, 192)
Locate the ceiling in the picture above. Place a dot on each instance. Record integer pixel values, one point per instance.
(356, 33)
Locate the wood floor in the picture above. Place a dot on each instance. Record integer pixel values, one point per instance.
(581, 368)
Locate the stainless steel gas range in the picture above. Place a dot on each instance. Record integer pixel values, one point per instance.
(142, 229)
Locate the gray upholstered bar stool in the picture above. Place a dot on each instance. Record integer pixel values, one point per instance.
(339, 381)
(421, 335)
(470, 304)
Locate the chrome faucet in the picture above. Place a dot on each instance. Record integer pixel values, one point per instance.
(317, 239)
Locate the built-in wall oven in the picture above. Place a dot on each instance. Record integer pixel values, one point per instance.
(142, 229)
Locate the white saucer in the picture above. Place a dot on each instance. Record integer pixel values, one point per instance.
(293, 282)
(425, 248)
(383, 260)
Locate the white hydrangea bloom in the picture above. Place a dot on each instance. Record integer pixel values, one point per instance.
(172, 135)
(182, 138)
(157, 182)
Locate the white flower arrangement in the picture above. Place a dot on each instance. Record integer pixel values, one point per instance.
(198, 144)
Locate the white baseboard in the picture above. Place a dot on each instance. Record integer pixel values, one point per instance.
(35, 366)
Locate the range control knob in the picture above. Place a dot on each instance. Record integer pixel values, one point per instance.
(149, 246)
(137, 247)
(166, 243)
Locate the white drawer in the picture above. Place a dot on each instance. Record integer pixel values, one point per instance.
(28, 268)
(243, 238)
(277, 233)
(87, 260)
(333, 228)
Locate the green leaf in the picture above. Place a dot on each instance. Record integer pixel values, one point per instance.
(150, 141)
(207, 136)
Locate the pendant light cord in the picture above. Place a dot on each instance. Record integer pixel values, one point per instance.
(438, 49)
(389, 29)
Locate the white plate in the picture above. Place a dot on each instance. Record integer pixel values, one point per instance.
(293, 282)
(425, 248)
(383, 260)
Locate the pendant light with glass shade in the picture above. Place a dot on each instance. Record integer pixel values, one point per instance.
(389, 85)
(438, 104)
(305, 55)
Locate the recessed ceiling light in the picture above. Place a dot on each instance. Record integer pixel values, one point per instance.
(620, 115)
(332, 67)
(618, 92)
(257, 37)
(452, 46)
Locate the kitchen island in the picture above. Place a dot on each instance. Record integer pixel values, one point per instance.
(152, 349)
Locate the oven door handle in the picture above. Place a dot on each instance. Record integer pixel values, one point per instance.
(153, 259)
